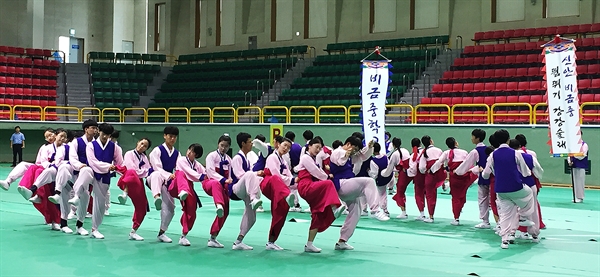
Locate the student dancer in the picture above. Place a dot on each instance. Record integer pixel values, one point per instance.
(163, 160)
(451, 159)
(265, 150)
(361, 169)
(477, 157)
(103, 157)
(182, 187)
(508, 166)
(523, 142)
(218, 170)
(80, 174)
(22, 167)
(579, 164)
(246, 187)
(536, 173)
(493, 197)
(114, 137)
(389, 147)
(294, 158)
(319, 192)
(132, 184)
(433, 180)
(379, 163)
(351, 188)
(400, 162)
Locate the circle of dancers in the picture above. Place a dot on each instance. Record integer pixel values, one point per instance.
(352, 177)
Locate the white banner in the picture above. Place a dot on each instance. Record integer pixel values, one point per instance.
(563, 100)
(375, 77)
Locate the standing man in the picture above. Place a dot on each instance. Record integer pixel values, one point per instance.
(17, 143)
(578, 165)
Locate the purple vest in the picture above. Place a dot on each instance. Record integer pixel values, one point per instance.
(262, 160)
(482, 162)
(168, 163)
(529, 162)
(507, 177)
(53, 154)
(246, 168)
(364, 168)
(104, 155)
(583, 163)
(81, 154)
(382, 163)
(341, 172)
(295, 152)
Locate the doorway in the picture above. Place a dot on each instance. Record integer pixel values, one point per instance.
(127, 46)
(73, 49)
(252, 43)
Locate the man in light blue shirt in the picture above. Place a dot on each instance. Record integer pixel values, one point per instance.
(17, 143)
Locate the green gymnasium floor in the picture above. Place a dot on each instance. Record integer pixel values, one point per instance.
(569, 246)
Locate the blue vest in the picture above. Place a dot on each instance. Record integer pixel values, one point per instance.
(364, 168)
(295, 152)
(168, 163)
(81, 154)
(529, 162)
(246, 168)
(508, 178)
(262, 160)
(67, 147)
(583, 163)
(382, 163)
(341, 172)
(482, 162)
(52, 157)
(106, 156)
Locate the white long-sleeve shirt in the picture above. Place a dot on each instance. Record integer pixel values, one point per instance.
(470, 162)
(155, 161)
(307, 162)
(73, 158)
(521, 165)
(584, 150)
(237, 165)
(374, 168)
(274, 162)
(433, 153)
(213, 159)
(395, 161)
(460, 155)
(193, 170)
(537, 171)
(100, 166)
(132, 160)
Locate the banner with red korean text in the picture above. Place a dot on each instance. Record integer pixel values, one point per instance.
(563, 100)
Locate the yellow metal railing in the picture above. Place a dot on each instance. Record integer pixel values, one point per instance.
(333, 114)
(207, 115)
(536, 114)
(410, 115)
(584, 113)
(317, 114)
(178, 112)
(226, 115)
(486, 115)
(117, 114)
(351, 115)
(267, 109)
(66, 109)
(244, 112)
(134, 113)
(493, 113)
(430, 115)
(150, 115)
(301, 115)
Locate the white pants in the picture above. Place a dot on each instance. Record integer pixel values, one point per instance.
(100, 192)
(350, 192)
(81, 189)
(156, 180)
(167, 210)
(535, 217)
(382, 193)
(18, 172)
(63, 176)
(247, 189)
(46, 176)
(508, 205)
(579, 182)
(483, 197)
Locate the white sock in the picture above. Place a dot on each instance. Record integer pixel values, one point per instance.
(403, 212)
(423, 214)
(309, 243)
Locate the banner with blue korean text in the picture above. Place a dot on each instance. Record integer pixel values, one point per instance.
(563, 101)
(375, 79)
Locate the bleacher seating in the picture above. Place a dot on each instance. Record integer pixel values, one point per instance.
(27, 78)
(536, 33)
(287, 51)
(507, 73)
(389, 44)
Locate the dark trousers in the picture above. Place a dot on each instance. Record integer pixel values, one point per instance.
(17, 150)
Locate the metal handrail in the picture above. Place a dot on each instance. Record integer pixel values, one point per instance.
(77, 110)
(119, 114)
(314, 115)
(237, 112)
(454, 115)
(192, 115)
(233, 115)
(144, 114)
(493, 114)
(287, 112)
(149, 115)
(345, 116)
(417, 115)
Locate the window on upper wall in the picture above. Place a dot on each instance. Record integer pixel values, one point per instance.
(160, 26)
(382, 16)
(281, 20)
(559, 8)
(508, 10)
(198, 14)
(315, 18)
(424, 14)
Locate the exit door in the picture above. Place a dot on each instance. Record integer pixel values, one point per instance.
(76, 51)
